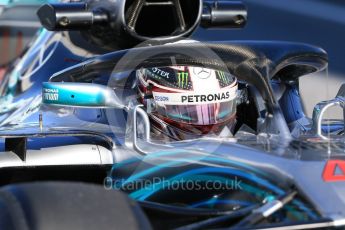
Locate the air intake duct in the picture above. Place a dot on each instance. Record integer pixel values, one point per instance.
(127, 23)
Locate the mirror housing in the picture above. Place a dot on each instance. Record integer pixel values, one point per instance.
(85, 95)
(89, 95)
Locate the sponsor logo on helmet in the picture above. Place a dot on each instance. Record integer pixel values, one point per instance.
(223, 95)
(205, 98)
(202, 73)
(161, 98)
(224, 79)
(160, 72)
(182, 80)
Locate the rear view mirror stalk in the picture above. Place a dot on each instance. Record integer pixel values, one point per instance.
(88, 95)
(70, 94)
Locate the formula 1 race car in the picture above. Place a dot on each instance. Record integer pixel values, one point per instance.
(114, 119)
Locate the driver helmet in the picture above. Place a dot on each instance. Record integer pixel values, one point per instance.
(185, 102)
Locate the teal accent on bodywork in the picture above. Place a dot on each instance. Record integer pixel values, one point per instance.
(141, 194)
(12, 84)
(71, 95)
(144, 193)
(211, 158)
(26, 2)
(172, 163)
(214, 201)
(248, 188)
(227, 171)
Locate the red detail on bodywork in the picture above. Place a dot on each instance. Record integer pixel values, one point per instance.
(330, 169)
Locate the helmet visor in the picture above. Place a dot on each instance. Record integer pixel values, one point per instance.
(197, 108)
(203, 114)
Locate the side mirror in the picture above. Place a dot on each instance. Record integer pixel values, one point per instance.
(88, 95)
(85, 95)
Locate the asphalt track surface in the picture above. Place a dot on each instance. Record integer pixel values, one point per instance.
(317, 22)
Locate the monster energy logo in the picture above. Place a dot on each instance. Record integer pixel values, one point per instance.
(183, 79)
(222, 77)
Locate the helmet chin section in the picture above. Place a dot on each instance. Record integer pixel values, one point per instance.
(168, 130)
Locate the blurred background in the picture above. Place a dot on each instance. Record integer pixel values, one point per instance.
(318, 22)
